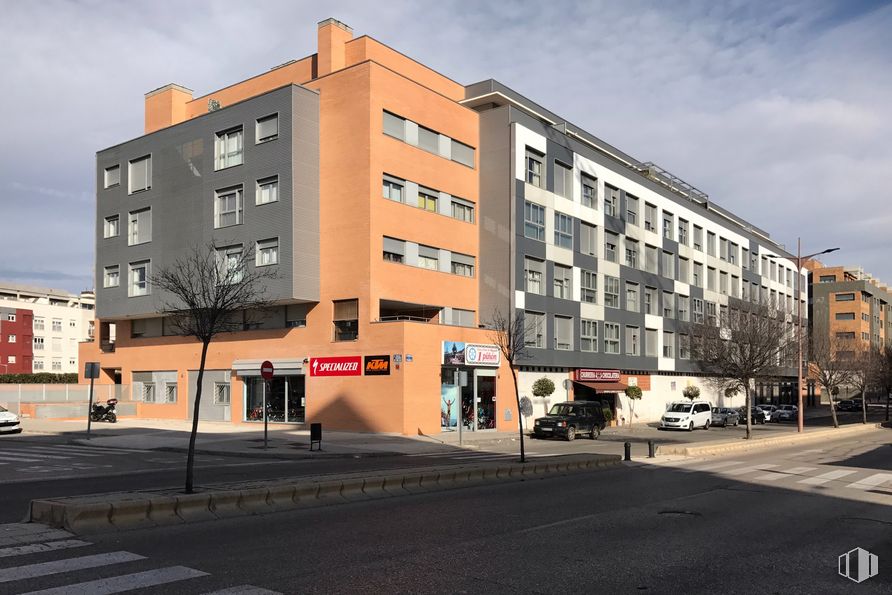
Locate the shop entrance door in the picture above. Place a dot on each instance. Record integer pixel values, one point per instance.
(485, 399)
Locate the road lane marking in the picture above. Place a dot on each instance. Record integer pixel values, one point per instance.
(18, 573)
(748, 469)
(826, 477)
(714, 466)
(244, 590)
(36, 548)
(20, 459)
(871, 482)
(42, 455)
(775, 475)
(61, 450)
(126, 582)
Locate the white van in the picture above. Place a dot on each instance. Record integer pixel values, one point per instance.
(687, 415)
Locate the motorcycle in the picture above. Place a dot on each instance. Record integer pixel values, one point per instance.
(106, 413)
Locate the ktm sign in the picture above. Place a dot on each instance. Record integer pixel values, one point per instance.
(377, 365)
(336, 366)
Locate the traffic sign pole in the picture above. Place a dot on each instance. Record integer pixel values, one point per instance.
(266, 371)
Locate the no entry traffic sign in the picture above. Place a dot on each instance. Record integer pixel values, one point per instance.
(266, 370)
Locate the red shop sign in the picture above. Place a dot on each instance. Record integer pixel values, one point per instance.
(350, 365)
(589, 375)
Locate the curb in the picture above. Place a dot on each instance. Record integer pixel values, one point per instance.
(739, 445)
(121, 511)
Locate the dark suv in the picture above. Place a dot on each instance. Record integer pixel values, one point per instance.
(571, 418)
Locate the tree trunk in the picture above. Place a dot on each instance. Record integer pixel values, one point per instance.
(190, 457)
(519, 412)
(833, 411)
(749, 411)
(864, 405)
(888, 399)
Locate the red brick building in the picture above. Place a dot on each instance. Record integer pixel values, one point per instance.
(16, 338)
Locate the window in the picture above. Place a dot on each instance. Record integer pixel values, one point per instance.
(394, 126)
(221, 393)
(72, 323)
(170, 392)
(394, 250)
(732, 252)
(463, 317)
(631, 209)
(667, 225)
(139, 278)
(534, 273)
(38, 344)
(38, 323)
(110, 278)
(610, 242)
(633, 340)
(57, 364)
(462, 265)
(267, 128)
(139, 174)
(428, 258)
(427, 199)
(611, 291)
(754, 262)
(845, 297)
(828, 278)
(846, 336)
(668, 265)
(698, 238)
(267, 190)
(710, 278)
(228, 148)
(428, 140)
(650, 342)
(668, 344)
(38, 364)
(723, 249)
(346, 320)
(668, 304)
(682, 231)
(57, 325)
(112, 226)
(697, 304)
(589, 287)
(11, 338)
(684, 347)
(611, 338)
(735, 286)
(611, 198)
(148, 392)
(650, 300)
(723, 282)
(563, 278)
(683, 302)
(230, 264)
(589, 191)
(588, 335)
(534, 221)
(462, 210)
(588, 239)
(10, 359)
(534, 329)
(267, 252)
(631, 253)
(140, 227)
(229, 207)
(684, 270)
(710, 313)
(534, 168)
(845, 316)
(563, 180)
(112, 176)
(632, 297)
(462, 153)
(563, 333)
(698, 274)
(650, 259)
(650, 217)
(710, 243)
(563, 230)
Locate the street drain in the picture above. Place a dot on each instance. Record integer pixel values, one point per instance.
(679, 513)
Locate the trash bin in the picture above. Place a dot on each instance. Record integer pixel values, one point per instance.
(316, 435)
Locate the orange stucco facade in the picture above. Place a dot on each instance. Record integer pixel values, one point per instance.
(357, 79)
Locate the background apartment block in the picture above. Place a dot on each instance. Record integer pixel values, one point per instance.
(61, 321)
(15, 340)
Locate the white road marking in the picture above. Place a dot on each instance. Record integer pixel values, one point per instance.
(774, 476)
(826, 477)
(748, 469)
(30, 453)
(244, 590)
(36, 548)
(20, 459)
(714, 466)
(871, 482)
(55, 567)
(62, 450)
(126, 582)
(803, 452)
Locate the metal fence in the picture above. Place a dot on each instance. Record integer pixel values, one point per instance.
(12, 396)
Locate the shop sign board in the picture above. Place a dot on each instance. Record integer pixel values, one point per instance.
(350, 365)
(590, 375)
(453, 353)
(478, 354)
(377, 365)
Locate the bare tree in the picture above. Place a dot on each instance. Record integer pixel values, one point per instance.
(204, 293)
(746, 345)
(865, 371)
(510, 334)
(831, 363)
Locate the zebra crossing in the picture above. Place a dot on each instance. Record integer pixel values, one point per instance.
(805, 476)
(30, 461)
(36, 453)
(471, 456)
(74, 573)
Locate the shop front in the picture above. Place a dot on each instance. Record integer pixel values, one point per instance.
(468, 397)
(598, 385)
(285, 393)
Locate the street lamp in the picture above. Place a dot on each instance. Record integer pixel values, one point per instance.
(800, 421)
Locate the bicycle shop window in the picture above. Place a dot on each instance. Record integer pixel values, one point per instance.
(346, 320)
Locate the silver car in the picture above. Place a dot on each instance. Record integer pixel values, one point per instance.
(725, 416)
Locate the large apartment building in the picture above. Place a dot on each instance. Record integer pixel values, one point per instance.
(400, 210)
(59, 321)
(15, 340)
(850, 306)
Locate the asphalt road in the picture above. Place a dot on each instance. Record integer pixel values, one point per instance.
(772, 522)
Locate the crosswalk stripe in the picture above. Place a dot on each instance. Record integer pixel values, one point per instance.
(244, 590)
(871, 482)
(62, 450)
(86, 450)
(42, 455)
(55, 567)
(20, 459)
(37, 548)
(126, 582)
(775, 475)
(826, 477)
(748, 469)
(714, 466)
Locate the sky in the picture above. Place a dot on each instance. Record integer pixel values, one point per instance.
(780, 111)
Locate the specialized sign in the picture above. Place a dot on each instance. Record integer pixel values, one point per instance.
(349, 365)
(267, 370)
(377, 365)
(590, 375)
(478, 354)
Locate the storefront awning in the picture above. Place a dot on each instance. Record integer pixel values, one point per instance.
(282, 367)
(602, 387)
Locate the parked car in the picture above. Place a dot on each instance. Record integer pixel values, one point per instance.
(858, 404)
(784, 415)
(768, 410)
(9, 422)
(756, 415)
(687, 415)
(571, 418)
(845, 405)
(725, 416)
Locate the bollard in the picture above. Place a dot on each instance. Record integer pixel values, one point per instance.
(651, 449)
(628, 447)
